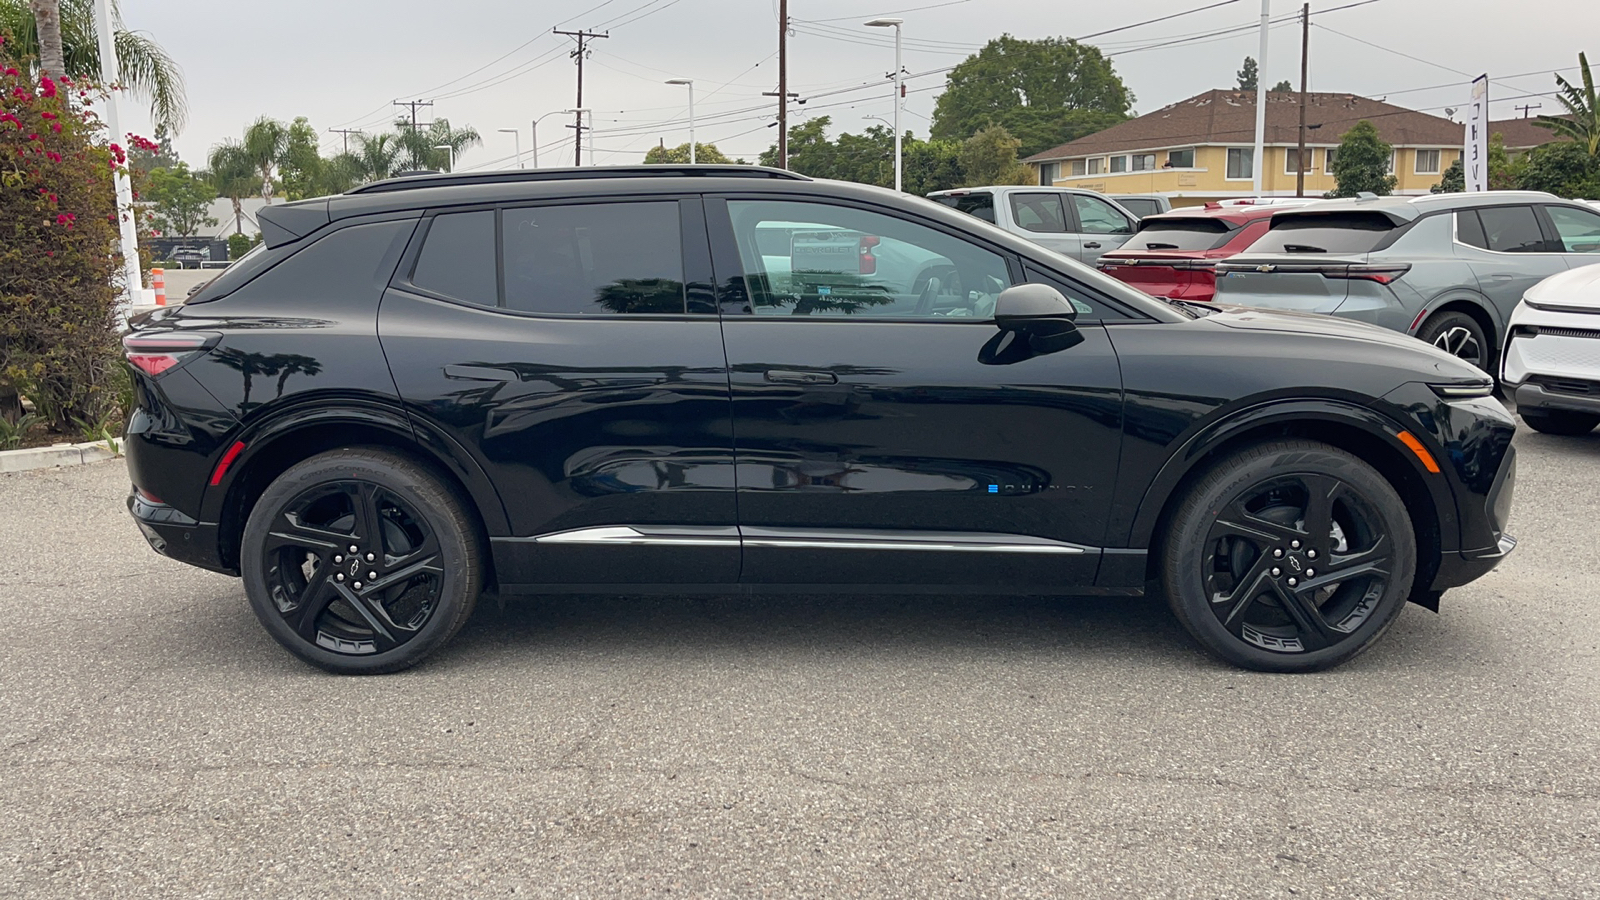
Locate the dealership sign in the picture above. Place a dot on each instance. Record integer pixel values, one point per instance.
(1475, 149)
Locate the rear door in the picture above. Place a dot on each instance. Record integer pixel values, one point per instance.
(1042, 217)
(573, 348)
(1508, 250)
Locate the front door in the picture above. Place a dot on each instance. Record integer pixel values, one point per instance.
(886, 431)
(574, 350)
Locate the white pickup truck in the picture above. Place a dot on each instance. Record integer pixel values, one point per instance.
(1077, 224)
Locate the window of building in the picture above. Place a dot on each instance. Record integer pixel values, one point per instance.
(1427, 162)
(1048, 172)
(1240, 163)
(1097, 165)
(1291, 161)
(1181, 159)
(1327, 159)
(1079, 166)
(1142, 162)
(1388, 168)
(594, 259)
(1119, 164)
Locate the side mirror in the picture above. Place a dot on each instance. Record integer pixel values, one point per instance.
(1036, 317)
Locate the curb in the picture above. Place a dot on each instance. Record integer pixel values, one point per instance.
(55, 455)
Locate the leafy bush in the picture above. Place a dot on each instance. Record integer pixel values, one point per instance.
(59, 264)
(239, 245)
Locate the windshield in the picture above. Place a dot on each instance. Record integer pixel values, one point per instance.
(1180, 234)
(1347, 232)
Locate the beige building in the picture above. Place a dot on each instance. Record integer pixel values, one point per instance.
(1201, 149)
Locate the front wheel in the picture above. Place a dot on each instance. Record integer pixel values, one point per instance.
(1559, 421)
(1289, 556)
(360, 561)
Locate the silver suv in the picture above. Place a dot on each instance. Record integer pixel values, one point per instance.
(1076, 224)
(1447, 268)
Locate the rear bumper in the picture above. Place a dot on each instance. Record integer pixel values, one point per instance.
(176, 536)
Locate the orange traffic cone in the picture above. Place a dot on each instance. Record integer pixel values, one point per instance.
(158, 281)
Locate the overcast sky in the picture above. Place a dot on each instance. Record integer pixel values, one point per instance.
(494, 63)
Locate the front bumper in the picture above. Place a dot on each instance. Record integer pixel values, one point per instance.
(176, 536)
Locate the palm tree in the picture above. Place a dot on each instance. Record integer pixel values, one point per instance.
(261, 150)
(1582, 122)
(145, 67)
(417, 146)
(376, 156)
(233, 176)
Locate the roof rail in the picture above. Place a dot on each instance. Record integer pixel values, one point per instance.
(516, 176)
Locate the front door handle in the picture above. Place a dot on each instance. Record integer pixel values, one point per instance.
(801, 376)
(1091, 245)
(479, 373)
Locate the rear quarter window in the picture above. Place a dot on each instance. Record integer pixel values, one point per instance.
(346, 269)
(1324, 233)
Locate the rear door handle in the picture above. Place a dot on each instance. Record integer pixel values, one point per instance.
(479, 373)
(801, 376)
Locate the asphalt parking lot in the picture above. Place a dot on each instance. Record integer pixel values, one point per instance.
(157, 743)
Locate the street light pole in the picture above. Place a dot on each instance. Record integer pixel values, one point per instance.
(690, 83)
(536, 134)
(898, 69)
(516, 135)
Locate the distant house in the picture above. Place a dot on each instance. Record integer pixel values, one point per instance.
(1521, 135)
(221, 209)
(1200, 149)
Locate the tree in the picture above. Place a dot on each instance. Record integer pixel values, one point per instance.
(1045, 92)
(47, 24)
(179, 201)
(1282, 87)
(1362, 163)
(300, 164)
(144, 159)
(1563, 169)
(1453, 180)
(990, 157)
(145, 67)
(703, 153)
(376, 156)
(418, 146)
(1248, 75)
(233, 176)
(1582, 122)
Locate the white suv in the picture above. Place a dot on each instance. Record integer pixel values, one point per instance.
(1552, 358)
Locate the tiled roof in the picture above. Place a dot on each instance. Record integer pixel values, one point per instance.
(1229, 117)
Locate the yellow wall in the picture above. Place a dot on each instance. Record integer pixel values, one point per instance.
(1208, 179)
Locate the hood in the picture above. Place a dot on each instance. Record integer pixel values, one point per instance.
(1441, 364)
(1573, 289)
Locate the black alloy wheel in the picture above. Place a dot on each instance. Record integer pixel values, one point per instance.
(1289, 556)
(1459, 335)
(360, 561)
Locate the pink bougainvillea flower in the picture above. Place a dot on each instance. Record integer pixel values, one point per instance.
(56, 127)
(47, 88)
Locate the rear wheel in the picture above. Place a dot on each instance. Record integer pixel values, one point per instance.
(1559, 421)
(1459, 335)
(360, 561)
(1289, 556)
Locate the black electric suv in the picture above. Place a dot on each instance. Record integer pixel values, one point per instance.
(722, 378)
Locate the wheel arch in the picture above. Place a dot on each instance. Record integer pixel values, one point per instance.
(1356, 430)
(1475, 306)
(271, 447)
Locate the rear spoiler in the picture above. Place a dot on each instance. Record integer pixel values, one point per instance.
(290, 222)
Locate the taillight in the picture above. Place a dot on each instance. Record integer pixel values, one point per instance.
(869, 263)
(154, 353)
(1384, 274)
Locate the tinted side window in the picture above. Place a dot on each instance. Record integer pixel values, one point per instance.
(979, 204)
(1140, 206)
(1470, 230)
(844, 261)
(1039, 213)
(1095, 216)
(1512, 229)
(1578, 229)
(457, 258)
(594, 259)
(348, 268)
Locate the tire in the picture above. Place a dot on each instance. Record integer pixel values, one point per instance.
(1567, 423)
(318, 598)
(1247, 513)
(1459, 335)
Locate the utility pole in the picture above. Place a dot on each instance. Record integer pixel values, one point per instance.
(413, 104)
(580, 54)
(1305, 48)
(346, 132)
(1259, 168)
(783, 84)
(1527, 107)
